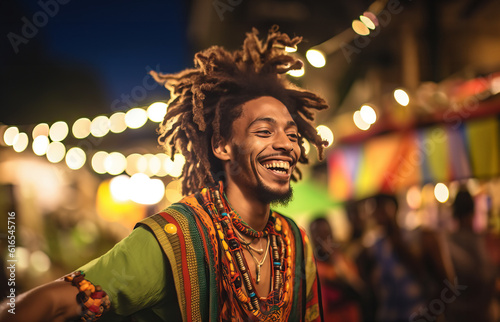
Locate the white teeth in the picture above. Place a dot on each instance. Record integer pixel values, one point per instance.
(279, 166)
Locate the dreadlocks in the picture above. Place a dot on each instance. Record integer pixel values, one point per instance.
(205, 101)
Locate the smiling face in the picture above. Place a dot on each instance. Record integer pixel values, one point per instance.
(263, 150)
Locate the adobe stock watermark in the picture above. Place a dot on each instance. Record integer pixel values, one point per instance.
(393, 7)
(437, 306)
(221, 6)
(48, 9)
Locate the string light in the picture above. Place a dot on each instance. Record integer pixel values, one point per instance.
(75, 158)
(10, 134)
(156, 111)
(441, 192)
(40, 129)
(115, 163)
(55, 152)
(98, 162)
(325, 133)
(401, 97)
(368, 114)
(359, 122)
(20, 142)
(136, 118)
(81, 128)
(58, 131)
(316, 58)
(360, 28)
(296, 72)
(40, 145)
(99, 126)
(117, 122)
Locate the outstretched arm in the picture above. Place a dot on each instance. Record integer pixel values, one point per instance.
(54, 301)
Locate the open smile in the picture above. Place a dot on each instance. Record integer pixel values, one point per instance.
(280, 167)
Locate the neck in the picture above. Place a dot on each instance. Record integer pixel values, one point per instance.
(251, 210)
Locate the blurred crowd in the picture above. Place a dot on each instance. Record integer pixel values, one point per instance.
(385, 272)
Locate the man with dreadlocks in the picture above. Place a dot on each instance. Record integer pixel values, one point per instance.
(221, 253)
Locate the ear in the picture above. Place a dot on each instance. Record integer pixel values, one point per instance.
(221, 149)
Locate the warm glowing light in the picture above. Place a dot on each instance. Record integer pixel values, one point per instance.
(162, 157)
(368, 114)
(401, 97)
(414, 197)
(10, 134)
(307, 146)
(177, 165)
(40, 261)
(98, 162)
(40, 129)
(367, 22)
(372, 17)
(117, 123)
(316, 58)
(296, 72)
(40, 145)
(325, 133)
(173, 191)
(157, 111)
(81, 128)
(146, 191)
(99, 126)
(441, 192)
(132, 161)
(58, 131)
(120, 188)
(360, 28)
(154, 164)
(56, 152)
(20, 142)
(290, 49)
(358, 121)
(75, 158)
(495, 85)
(136, 118)
(115, 163)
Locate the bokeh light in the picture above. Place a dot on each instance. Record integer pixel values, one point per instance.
(316, 58)
(325, 133)
(40, 145)
(115, 163)
(58, 131)
(368, 114)
(367, 22)
(99, 126)
(136, 118)
(360, 28)
(81, 128)
(98, 162)
(56, 152)
(117, 123)
(75, 158)
(359, 122)
(441, 192)
(414, 197)
(40, 129)
(156, 111)
(296, 72)
(20, 142)
(401, 97)
(10, 134)
(120, 188)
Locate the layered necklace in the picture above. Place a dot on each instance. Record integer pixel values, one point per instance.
(231, 230)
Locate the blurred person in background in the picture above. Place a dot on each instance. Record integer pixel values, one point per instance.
(403, 268)
(472, 265)
(342, 290)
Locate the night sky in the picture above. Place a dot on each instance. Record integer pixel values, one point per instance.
(104, 47)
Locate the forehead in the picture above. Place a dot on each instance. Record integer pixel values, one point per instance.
(265, 107)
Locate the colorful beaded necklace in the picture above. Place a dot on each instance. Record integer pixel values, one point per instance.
(225, 218)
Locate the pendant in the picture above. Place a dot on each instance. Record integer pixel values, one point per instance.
(257, 280)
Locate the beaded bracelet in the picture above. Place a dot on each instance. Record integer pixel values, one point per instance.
(93, 299)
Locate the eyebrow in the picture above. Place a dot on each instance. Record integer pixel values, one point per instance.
(272, 121)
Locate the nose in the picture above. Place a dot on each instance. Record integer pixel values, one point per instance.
(282, 143)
